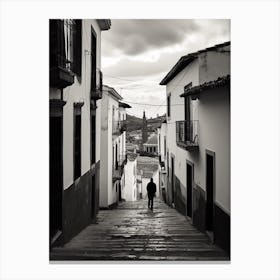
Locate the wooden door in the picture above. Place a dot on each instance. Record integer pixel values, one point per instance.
(56, 175)
(189, 189)
(209, 191)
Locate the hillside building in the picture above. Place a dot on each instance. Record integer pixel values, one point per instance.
(198, 140)
(75, 90)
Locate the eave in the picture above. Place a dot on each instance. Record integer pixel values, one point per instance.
(220, 82)
(104, 24)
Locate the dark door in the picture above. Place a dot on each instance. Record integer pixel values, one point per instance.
(209, 191)
(120, 192)
(93, 60)
(56, 175)
(93, 198)
(189, 189)
(93, 136)
(172, 178)
(116, 157)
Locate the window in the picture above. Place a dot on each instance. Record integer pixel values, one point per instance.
(164, 145)
(77, 142)
(93, 60)
(159, 143)
(187, 104)
(167, 164)
(93, 136)
(168, 105)
(77, 44)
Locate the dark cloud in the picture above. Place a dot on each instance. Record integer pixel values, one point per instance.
(131, 68)
(134, 43)
(133, 37)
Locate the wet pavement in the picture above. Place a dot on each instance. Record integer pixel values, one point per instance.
(133, 232)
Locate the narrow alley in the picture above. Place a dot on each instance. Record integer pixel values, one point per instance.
(133, 232)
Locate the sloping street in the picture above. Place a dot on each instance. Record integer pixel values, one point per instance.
(133, 232)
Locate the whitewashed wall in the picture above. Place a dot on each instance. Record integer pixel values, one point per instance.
(108, 194)
(214, 64)
(79, 91)
(213, 112)
(130, 186)
(176, 87)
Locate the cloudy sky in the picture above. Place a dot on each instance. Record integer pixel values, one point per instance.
(137, 54)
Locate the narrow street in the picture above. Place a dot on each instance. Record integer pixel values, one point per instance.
(133, 232)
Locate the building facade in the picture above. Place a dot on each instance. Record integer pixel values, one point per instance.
(113, 147)
(147, 168)
(151, 145)
(75, 91)
(162, 135)
(129, 191)
(198, 140)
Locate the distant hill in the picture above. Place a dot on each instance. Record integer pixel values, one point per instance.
(134, 123)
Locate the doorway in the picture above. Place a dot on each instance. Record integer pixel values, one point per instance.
(93, 198)
(172, 179)
(189, 188)
(120, 191)
(210, 185)
(116, 157)
(56, 175)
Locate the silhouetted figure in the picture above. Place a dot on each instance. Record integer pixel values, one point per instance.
(151, 189)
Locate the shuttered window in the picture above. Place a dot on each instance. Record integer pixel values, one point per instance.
(77, 41)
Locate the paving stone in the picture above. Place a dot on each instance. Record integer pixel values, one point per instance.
(132, 232)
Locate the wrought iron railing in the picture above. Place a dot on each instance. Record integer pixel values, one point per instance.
(119, 127)
(187, 132)
(97, 84)
(61, 43)
(62, 33)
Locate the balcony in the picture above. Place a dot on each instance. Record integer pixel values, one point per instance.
(123, 126)
(61, 57)
(122, 160)
(119, 127)
(96, 85)
(117, 174)
(187, 134)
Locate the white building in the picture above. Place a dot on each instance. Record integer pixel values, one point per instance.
(151, 146)
(147, 168)
(113, 147)
(198, 140)
(74, 97)
(162, 135)
(129, 191)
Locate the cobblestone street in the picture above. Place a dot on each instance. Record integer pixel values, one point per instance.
(133, 232)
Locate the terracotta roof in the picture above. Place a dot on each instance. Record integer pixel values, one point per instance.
(186, 60)
(131, 156)
(220, 82)
(152, 139)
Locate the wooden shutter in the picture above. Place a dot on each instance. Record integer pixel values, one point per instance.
(77, 42)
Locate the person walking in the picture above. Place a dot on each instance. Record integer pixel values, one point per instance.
(151, 189)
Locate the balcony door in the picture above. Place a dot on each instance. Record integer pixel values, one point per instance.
(93, 59)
